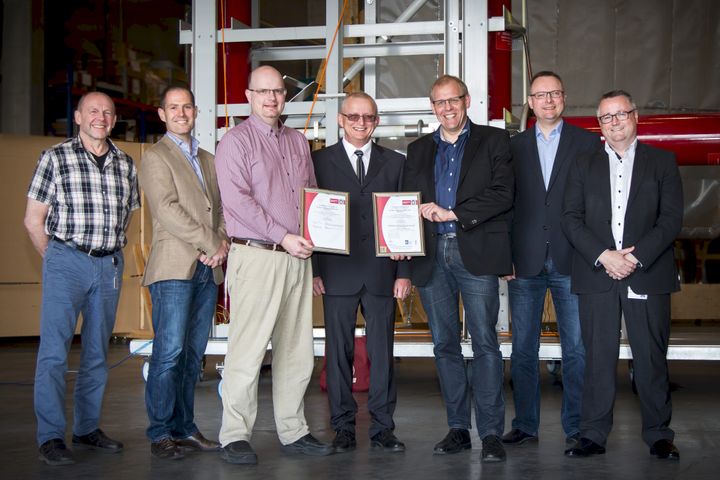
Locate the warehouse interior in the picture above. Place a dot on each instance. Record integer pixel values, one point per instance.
(663, 52)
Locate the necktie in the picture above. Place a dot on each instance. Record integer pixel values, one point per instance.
(360, 166)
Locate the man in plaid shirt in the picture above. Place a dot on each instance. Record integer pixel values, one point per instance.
(79, 204)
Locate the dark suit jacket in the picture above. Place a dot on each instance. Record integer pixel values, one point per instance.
(483, 201)
(652, 220)
(347, 274)
(537, 212)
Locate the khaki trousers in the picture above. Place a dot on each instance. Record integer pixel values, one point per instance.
(270, 298)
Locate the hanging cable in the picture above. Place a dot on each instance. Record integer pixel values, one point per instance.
(324, 67)
(224, 63)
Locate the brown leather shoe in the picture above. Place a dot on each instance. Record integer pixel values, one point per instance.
(198, 443)
(166, 449)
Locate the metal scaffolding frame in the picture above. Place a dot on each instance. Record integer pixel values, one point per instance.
(465, 23)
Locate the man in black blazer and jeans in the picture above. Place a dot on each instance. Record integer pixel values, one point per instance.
(360, 279)
(542, 255)
(465, 177)
(623, 210)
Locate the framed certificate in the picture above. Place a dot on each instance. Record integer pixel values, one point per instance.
(325, 220)
(398, 226)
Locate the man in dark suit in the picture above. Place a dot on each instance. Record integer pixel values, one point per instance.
(623, 209)
(541, 257)
(465, 177)
(360, 278)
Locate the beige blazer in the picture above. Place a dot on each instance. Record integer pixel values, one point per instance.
(185, 219)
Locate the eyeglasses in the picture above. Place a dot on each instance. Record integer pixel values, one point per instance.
(543, 95)
(266, 92)
(621, 116)
(354, 117)
(453, 102)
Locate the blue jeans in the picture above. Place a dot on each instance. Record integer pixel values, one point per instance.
(182, 315)
(440, 298)
(527, 300)
(74, 283)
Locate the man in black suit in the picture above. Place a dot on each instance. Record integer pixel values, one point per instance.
(623, 209)
(361, 278)
(465, 176)
(541, 257)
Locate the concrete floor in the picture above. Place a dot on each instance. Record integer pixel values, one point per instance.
(420, 419)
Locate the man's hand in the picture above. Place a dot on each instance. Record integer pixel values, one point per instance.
(434, 213)
(297, 246)
(399, 258)
(217, 258)
(318, 287)
(617, 266)
(402, 287)
(507, 278)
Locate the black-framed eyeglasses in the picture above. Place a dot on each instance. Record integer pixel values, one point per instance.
(266, 92)
(555, 94)
(453, 102)
(354, 117)
(621, 116)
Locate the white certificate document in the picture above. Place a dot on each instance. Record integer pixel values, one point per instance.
(398, 226)
(325, 220)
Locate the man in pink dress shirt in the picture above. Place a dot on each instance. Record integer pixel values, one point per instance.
(262, 167)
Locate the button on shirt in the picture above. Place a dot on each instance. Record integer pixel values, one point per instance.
(191, 154)
(350, 150)
(620, 178)
(261, 173)
(547, 149)
(88, 206)
(448, 159)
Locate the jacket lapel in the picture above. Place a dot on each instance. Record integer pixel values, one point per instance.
(342, 163)
(183, 165)
(639, 168)
(531, 148)
(561, 154)
(471, 146)
(376, 163)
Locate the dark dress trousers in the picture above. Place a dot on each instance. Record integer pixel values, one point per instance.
(653, 220)
(359, 279)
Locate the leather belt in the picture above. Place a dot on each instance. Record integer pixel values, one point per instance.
(254, 243)
(93, 252)
(447, 235)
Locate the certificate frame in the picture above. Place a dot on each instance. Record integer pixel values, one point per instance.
(417, 237)
(342, 200)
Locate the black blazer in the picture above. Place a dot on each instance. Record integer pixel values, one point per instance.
(652, 220)
(483, 203)
(347, 274)
(537, 212)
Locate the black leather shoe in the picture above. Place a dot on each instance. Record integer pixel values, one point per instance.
(309, 445)
(198, 443)
(166, 449)
(344, 441)
(457, 440)
(240, 453)
(492, 450)
(97, 440)
(518, 437)
(664, 449)
(55, 453)
(387, 441)
(584, 448)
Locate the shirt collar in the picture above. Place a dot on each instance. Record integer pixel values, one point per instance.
(263, 127)
(629, 153)
(78, 146)
(351, 149)
(437, 135)
(192, 148)
(555, 132)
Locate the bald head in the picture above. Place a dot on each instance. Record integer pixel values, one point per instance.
(266, 94)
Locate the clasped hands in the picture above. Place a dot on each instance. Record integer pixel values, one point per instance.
(619, 264)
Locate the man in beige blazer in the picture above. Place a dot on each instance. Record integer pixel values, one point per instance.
(184, 268)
